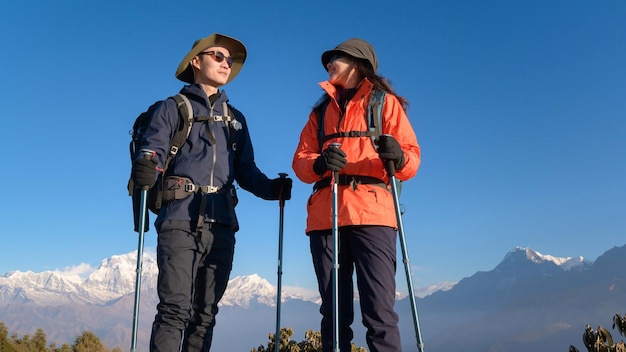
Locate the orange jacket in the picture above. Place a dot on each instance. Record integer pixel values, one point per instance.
(366, 204)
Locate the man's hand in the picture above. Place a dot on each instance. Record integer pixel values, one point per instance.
(280, 188)
(144, 172)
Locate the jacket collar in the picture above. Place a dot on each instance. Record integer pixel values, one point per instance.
(195, 92)
(363, 90)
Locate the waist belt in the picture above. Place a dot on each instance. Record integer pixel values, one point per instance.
(175, 187)
(351, 180)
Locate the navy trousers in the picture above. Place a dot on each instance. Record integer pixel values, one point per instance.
(193, 275)
(371, 250)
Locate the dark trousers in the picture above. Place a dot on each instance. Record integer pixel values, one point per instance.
(193, 275)
(371, 250)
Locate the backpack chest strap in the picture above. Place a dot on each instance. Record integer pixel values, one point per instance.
(214, 118)
(352, 180)
(349, 134)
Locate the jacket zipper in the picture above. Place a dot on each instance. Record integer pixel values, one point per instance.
(214, 161)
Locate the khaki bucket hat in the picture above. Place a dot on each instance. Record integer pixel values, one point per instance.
(236, 48)
(355, 47)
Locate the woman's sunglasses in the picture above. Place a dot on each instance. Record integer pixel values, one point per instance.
(218, 56)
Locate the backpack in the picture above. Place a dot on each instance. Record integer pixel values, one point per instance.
(374, 122)
(185, 121)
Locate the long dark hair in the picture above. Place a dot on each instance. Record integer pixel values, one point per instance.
(380, 82)
(364, 68)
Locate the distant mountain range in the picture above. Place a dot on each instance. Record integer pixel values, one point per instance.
(528, 302)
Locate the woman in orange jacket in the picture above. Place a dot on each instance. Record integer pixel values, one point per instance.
(366, 213)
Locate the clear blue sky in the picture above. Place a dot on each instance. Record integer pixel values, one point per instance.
(518, 107)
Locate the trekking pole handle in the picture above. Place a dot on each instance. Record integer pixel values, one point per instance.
(336, 145)
(391, 167)
(281, 201)
(147, 154)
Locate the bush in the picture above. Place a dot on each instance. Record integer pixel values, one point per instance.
(312, 343)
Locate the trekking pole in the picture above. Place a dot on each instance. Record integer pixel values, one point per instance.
(281, 221)
(335, 275)
(143, 206)
(391, 169)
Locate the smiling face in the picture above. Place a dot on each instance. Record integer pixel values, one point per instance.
(342, 71)
(212, 66)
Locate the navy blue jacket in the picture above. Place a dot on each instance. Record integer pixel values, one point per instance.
(220, 164)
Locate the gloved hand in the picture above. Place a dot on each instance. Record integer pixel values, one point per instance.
(332, 158)
(389, 149)
(280, 188)
(144, 172)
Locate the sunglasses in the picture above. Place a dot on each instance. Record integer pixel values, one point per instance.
(335, 57)
(218, 56)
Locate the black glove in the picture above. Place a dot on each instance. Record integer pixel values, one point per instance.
(389, 149)
(333, 159)
(280, 188)
(144, 172)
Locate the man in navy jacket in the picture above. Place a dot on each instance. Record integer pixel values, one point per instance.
(196, 227)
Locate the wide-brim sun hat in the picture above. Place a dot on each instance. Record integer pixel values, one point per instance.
(355, 47)
(237, 51)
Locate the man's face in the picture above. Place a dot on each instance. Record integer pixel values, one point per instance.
(213, 66)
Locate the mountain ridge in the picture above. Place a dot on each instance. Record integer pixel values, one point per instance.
(550, 298)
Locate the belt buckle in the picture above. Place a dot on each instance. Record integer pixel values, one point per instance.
(190, 187)
(210, 189)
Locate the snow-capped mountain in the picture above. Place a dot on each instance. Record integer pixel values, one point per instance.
(245, 289)
(529, 302)
(115, 276)
(567, 263)
(113, 279)
(63, 303)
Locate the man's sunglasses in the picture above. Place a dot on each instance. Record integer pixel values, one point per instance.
(218, 56)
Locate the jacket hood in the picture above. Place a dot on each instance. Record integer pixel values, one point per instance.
(195, 92)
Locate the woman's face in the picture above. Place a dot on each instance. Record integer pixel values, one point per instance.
(342, 71)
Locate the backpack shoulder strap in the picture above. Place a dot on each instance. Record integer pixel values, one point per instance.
(375, 121)
(375, 114)
(185, 121)
(320, 110)
(185, 116)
